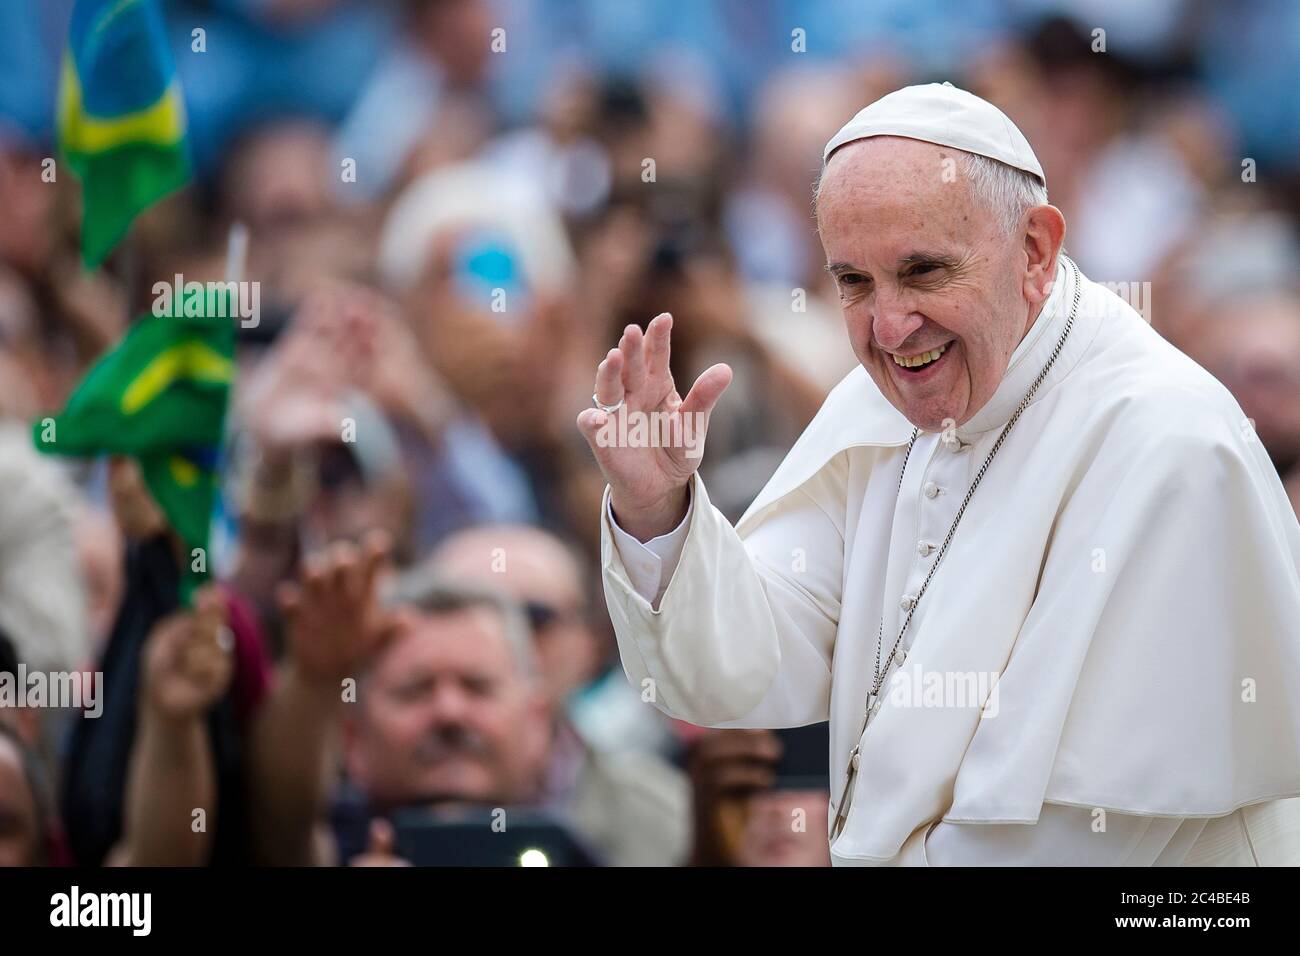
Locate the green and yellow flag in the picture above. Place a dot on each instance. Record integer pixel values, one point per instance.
(121, 121)
(161, 397)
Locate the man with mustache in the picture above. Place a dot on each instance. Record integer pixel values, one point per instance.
(632, 806)
(1023, 487)
(450, 711)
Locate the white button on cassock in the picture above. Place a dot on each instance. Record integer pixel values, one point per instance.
(907, 603)
(930, 489)
(923, 548)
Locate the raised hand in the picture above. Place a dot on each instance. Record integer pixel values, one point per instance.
(188, 660)
(294, 396)
(648, 479)
(334, 618)
(389, 363)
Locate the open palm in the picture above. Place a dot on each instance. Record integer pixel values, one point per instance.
(647, 475)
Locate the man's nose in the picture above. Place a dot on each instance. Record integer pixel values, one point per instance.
(894, 321)
(449, 704)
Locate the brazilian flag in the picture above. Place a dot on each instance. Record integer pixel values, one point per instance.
(159, 396)
(121, 121)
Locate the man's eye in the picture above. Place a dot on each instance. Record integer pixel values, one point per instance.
(852, 278)
(409, 693)
(923, 268)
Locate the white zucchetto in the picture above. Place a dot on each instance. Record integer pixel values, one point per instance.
(942, 114)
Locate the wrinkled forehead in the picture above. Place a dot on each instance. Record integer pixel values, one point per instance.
(896, 189)
(893, 165)
(467, 641)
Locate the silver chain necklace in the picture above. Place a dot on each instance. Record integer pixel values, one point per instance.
(878, 678)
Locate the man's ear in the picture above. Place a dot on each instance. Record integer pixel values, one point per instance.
(1044, 236)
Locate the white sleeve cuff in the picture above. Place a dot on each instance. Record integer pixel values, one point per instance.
(650, 565)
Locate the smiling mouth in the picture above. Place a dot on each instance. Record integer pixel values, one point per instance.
(915, 363)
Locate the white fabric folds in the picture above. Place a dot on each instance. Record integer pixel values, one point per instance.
(1128, 569)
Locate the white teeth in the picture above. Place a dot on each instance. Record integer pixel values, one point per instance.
(916, 361)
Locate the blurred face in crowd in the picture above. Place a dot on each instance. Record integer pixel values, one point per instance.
(924, 269)
(785, 828)
(453, 31)
(279, 177)
(536, 570)
(19, 827)
(1252, 345)
(504, 365)
(27, 232)
(446, 716)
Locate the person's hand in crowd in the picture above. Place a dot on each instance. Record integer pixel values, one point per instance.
(294, 396)
(334, 619)
(188, 659)
(93, 306)
(389, 363)
(726, 767)
(293, 400)
(334, 624)
(134, 508)
(382, 847)
(188, 663)
(648, 484)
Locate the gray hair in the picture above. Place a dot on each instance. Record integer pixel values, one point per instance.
(1006, 191)
(425, 589)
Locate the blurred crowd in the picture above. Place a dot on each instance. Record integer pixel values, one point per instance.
(454, 207)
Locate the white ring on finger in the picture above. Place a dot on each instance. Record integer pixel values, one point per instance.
(608, 409)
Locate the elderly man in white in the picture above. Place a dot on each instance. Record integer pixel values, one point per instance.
(1029, 560)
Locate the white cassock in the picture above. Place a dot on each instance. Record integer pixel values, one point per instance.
(1127, 568)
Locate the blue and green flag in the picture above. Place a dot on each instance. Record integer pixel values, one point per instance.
(160, 396)
(121, 121)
